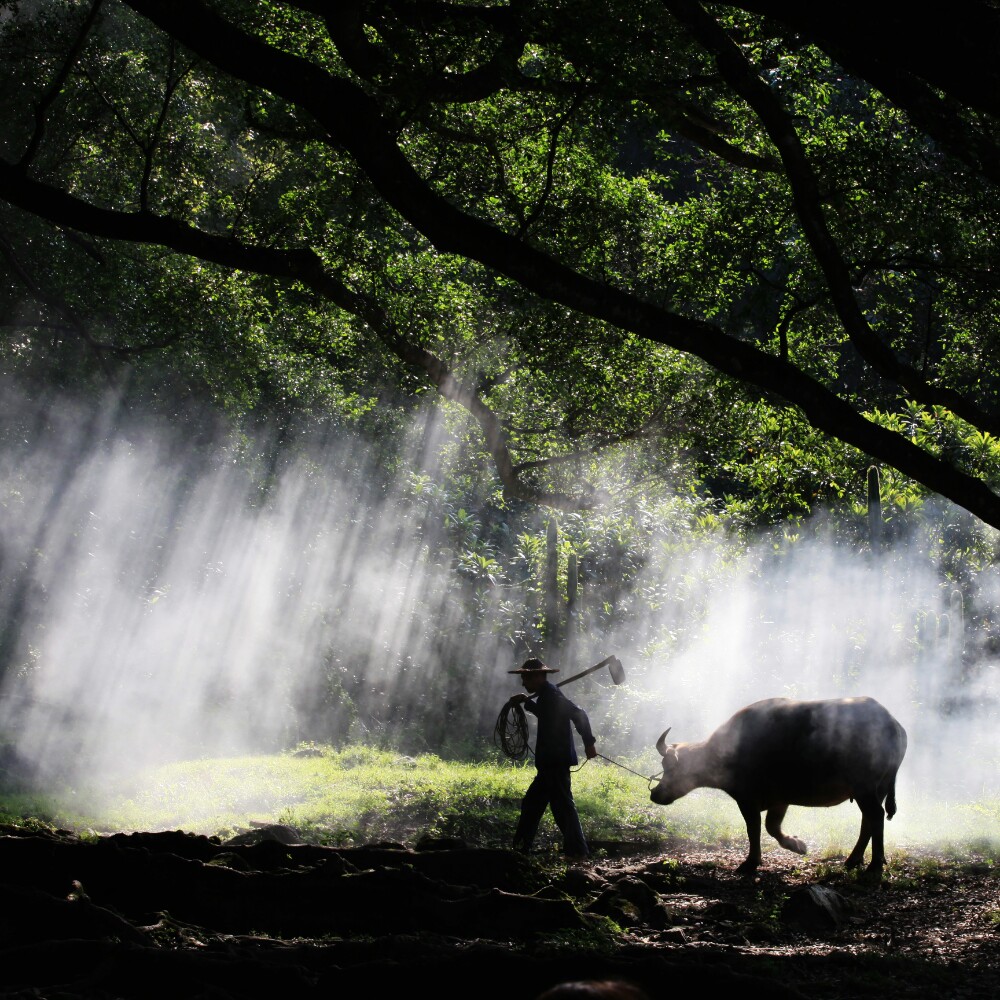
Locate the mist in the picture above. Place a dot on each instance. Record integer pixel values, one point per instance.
(168, 597)
(170, 606)
(822, 622)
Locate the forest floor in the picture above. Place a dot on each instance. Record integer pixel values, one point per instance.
(174, 914)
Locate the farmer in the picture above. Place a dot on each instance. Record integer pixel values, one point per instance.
(555, 754)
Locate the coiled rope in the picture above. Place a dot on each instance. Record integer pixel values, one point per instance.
(510, 734)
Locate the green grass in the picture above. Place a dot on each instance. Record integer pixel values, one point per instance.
(364, 795)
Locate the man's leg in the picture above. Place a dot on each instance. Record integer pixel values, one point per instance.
(536, 798)
(565, 814)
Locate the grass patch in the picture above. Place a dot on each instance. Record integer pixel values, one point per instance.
(361, 794)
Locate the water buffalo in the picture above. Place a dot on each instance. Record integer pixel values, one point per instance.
(779, 752)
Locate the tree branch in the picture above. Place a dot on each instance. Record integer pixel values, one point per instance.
(355, 122)
(302, 266)
(808, 206)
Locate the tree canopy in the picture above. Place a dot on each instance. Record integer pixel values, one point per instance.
(725, 230)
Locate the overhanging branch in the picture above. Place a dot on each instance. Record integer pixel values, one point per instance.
(355, 121)
(301, 266)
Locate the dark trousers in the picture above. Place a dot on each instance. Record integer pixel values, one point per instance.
(550, 787)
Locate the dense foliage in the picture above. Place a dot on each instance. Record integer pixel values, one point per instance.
(739, 239)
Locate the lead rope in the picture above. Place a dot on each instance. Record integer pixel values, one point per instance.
(649, 778)
(510, 735)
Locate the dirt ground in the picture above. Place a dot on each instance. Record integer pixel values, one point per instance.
(930, 928)
(172, 914)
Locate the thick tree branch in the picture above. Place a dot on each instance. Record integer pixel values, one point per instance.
(302, 266)
(942, 118)
(808, 206)
(952, 48)
(355, 121)
(932, 71)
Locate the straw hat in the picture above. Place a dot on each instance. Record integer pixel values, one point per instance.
(534, 666)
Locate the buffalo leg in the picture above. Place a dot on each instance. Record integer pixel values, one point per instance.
(772, 824)
(872, 829)
(873, 806)
(858, 854)
(752, 818)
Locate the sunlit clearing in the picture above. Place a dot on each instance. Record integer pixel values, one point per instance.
(165, 608)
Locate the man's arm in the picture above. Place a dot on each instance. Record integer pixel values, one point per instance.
(582, 722)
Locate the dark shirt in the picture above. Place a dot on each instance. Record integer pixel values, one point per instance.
(554, 744)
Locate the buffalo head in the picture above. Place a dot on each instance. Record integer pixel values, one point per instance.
(671, 785)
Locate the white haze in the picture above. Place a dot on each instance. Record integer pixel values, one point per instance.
(177, 614)
(823, 623)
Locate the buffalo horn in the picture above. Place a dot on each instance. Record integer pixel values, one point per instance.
(661, 743)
